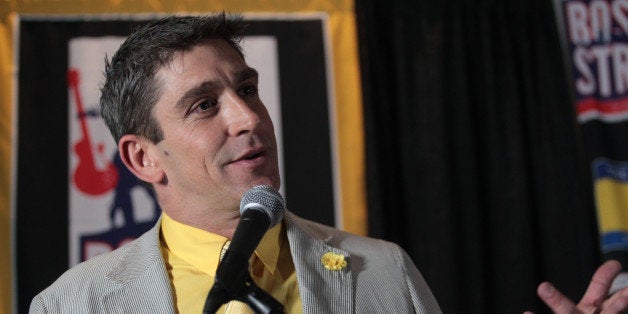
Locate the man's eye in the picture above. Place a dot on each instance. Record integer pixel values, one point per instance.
(249, 90)
(205, 105)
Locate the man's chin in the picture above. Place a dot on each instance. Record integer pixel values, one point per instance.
(275, 183)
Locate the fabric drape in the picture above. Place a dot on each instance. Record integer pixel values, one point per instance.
(474, 162)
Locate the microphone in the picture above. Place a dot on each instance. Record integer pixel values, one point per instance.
(261, 208)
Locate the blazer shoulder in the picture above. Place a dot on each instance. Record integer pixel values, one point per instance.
(340, 238)
(94, 277)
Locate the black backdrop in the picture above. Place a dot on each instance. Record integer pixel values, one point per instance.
(473, 153)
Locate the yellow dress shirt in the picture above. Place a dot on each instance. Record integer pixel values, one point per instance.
(192, 256)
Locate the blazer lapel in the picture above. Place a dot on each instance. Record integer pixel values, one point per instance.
(140, 279)
(322, 290)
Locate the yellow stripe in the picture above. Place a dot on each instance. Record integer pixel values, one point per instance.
(348, 111)
(158, 6)
(349, 122)
(611, 198)
(6, 114)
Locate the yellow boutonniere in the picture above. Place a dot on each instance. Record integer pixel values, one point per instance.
(333, 261)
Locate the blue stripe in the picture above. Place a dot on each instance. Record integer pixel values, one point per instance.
(615, 241)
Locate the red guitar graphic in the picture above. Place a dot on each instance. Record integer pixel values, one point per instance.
(87, 177)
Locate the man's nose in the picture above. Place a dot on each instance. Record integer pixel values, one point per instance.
(239, 116)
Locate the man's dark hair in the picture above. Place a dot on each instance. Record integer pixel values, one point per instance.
(130, 90)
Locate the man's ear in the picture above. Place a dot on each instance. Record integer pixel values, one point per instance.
(134, 152)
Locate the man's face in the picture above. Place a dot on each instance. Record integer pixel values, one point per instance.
(218, 138)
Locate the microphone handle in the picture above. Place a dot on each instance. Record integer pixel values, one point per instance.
(252, 226)
(216, 297)
(232, 280)
(260, 301)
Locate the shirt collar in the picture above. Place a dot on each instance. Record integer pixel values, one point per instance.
(201, 248)
(268, 249)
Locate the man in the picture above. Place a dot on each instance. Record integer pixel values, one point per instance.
(182, 105)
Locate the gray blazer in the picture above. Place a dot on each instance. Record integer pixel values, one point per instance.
(379, 277)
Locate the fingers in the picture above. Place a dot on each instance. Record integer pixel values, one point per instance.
(554, 299)
(601, 282)
(618, 303)
(594, 299)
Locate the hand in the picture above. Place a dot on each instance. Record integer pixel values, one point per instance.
(595, 300)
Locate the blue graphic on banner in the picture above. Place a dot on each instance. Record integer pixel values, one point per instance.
(606, 168)
(614, 241)
(130, 229)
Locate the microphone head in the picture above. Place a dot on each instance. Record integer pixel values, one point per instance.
(266, 199)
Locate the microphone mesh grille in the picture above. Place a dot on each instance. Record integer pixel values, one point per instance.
(266, 198)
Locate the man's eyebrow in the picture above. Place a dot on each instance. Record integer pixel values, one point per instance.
(246, 74)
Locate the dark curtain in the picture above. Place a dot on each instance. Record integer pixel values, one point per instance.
(473, 152)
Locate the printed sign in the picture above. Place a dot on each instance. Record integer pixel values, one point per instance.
(596, 36)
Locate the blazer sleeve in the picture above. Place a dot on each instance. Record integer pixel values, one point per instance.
(420, 293)
(37, 306)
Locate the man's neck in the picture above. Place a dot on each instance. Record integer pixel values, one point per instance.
(222, 223)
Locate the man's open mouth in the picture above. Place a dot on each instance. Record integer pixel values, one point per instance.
(253, 156)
